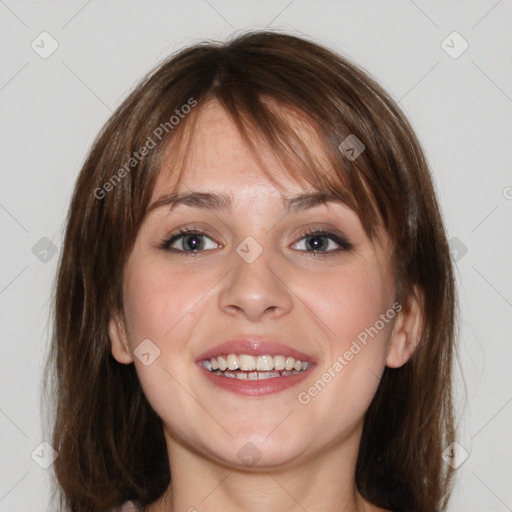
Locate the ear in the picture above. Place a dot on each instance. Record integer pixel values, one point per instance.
(407, 331)
(119, 340)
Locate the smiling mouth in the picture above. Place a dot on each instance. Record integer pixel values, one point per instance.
(248, 367)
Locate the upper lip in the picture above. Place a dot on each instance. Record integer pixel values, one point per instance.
(254, 346)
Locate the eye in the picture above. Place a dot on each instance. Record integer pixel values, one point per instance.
(316, 243)
(321, 241)
(189, 241)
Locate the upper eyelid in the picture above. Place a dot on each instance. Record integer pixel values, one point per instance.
(302, 233)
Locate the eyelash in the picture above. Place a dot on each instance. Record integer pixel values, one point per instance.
(338, 238)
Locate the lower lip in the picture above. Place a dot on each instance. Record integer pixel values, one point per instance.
(256, 387)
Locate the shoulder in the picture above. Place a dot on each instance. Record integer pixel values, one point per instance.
(129, 506)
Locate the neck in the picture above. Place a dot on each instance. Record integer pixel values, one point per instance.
(325, 482)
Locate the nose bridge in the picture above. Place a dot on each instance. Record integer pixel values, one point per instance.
(254, 288)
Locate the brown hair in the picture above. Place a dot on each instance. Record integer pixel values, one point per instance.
(110, 441)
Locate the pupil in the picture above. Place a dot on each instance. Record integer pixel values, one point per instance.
(193, 242)
(316, 242)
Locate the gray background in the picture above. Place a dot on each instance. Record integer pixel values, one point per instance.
(461, 108)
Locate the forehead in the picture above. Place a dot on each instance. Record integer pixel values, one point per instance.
(213, 153)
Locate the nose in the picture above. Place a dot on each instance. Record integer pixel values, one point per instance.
(255, 290)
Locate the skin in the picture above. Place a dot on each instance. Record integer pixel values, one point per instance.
(186, 305)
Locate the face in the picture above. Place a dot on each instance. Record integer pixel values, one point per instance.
(308, 278)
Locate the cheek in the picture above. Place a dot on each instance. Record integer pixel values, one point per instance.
(349, 302)
(160, 306)
(156, 299)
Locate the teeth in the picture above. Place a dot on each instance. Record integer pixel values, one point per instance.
(265, 363)
(256, 375)
(247, 367)
(279, 362)
(232, 362)
(222, 363)
(246, 363)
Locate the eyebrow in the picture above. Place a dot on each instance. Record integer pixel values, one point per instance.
(223, 202)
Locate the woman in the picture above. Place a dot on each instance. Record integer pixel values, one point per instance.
(255, 299)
